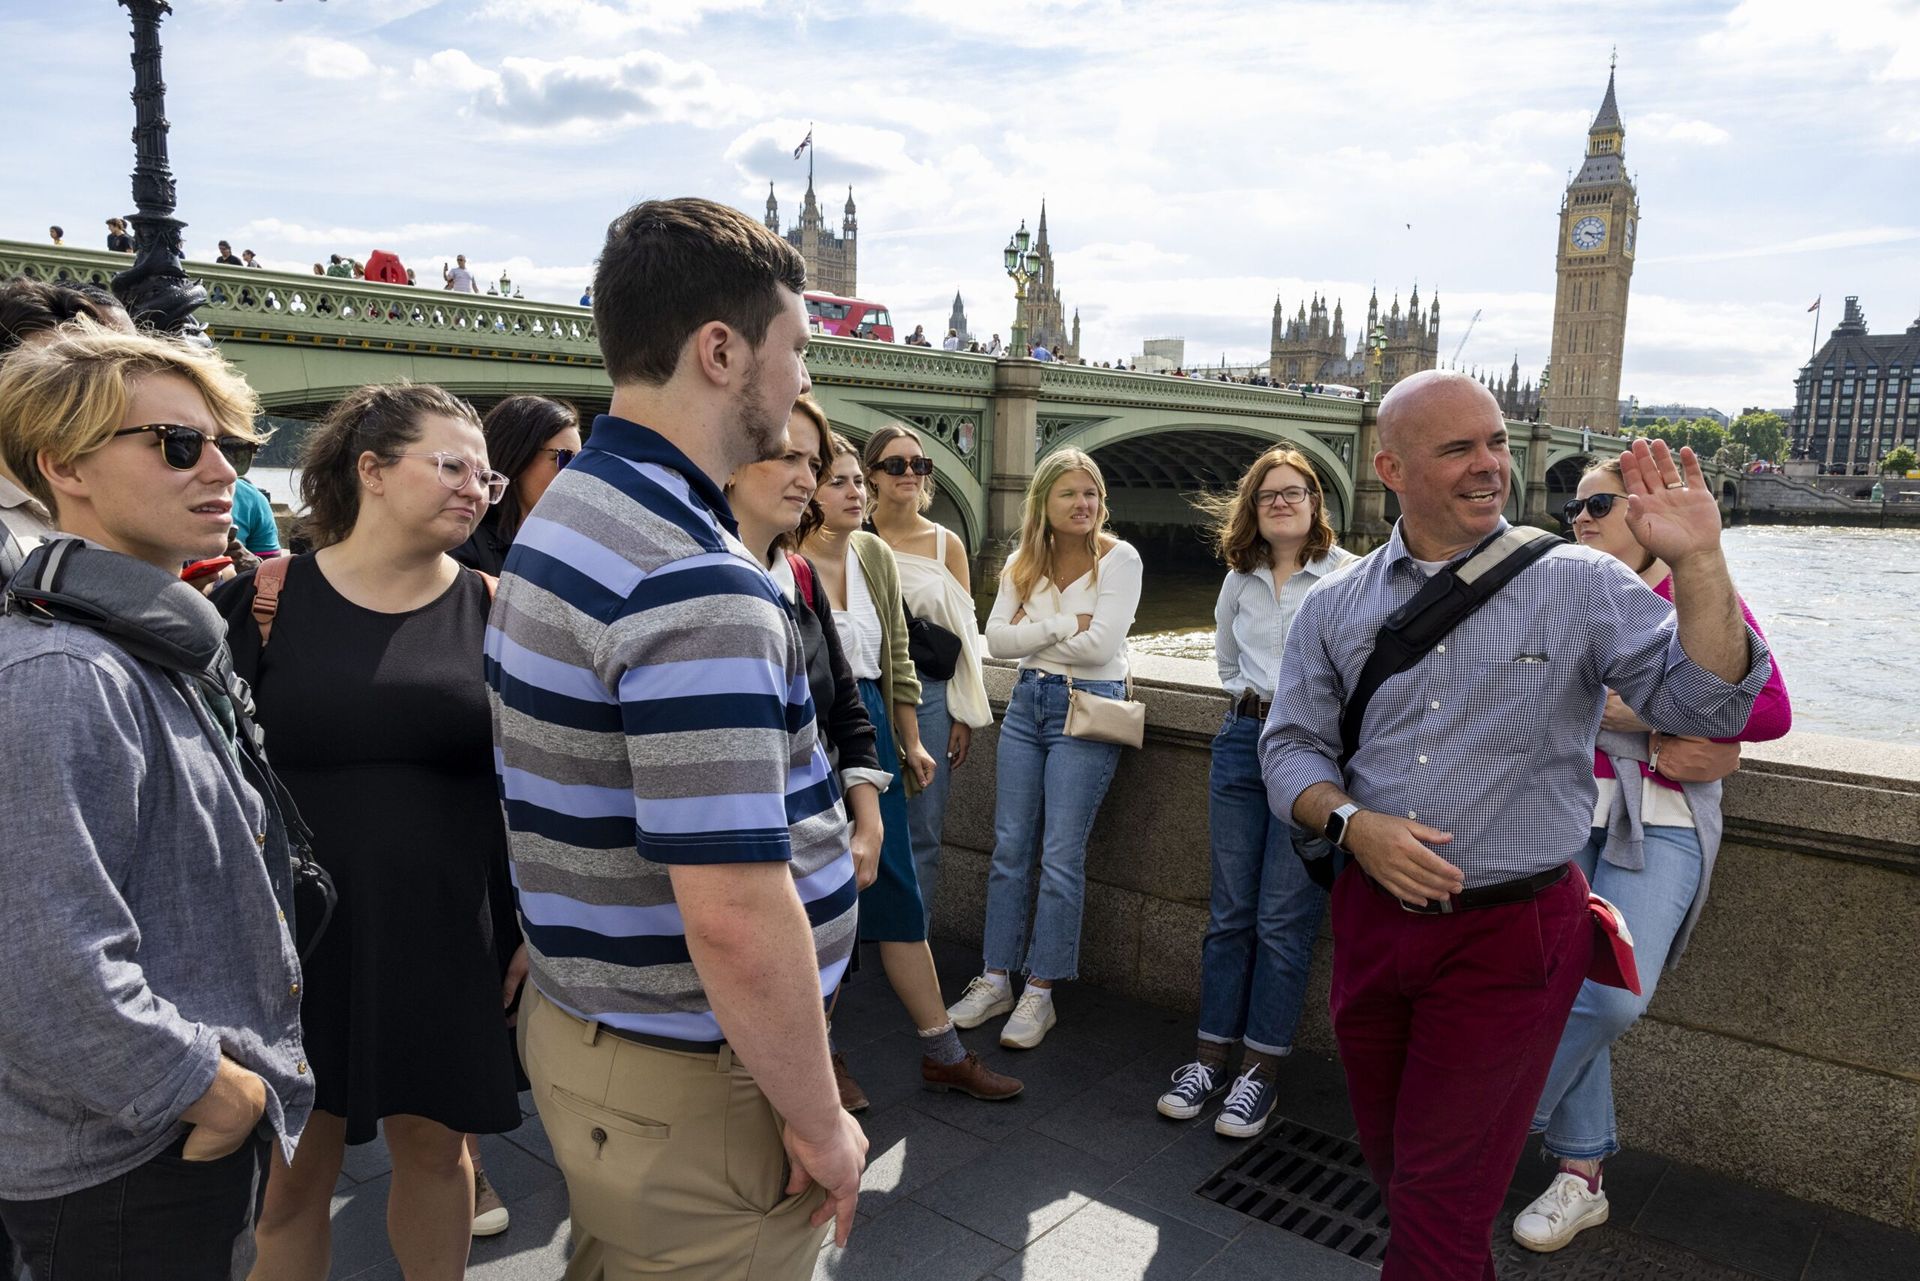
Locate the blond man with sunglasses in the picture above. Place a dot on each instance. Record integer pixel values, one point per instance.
(149, 1022)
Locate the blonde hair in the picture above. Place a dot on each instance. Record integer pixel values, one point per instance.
(66, 397)
(1235, 517)
(1033, 559)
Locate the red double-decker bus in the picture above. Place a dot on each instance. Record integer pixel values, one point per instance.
(849, 317)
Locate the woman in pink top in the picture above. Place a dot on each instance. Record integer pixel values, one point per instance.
(1651, 854)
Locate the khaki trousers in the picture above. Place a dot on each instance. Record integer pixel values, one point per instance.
(673, 1161)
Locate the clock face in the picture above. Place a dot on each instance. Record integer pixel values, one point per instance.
(1589, 233)
(1627, 245)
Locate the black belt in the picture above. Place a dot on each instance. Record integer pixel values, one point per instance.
(664, 1042)
(1251, 704)
(1515, 891)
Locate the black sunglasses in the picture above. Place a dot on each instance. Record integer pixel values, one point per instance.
(561, 457)
(1598, 506)
(181, 446)
(921, 466)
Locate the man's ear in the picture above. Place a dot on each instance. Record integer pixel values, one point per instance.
(1386, 465)
(718, 353)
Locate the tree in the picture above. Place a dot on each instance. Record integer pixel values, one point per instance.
(1705, 436)
(1733, 456)
(1899, 461)
(1764, 433)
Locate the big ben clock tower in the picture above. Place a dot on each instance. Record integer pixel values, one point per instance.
(1599, 230)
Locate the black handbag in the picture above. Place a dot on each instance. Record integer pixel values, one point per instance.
(935, 650)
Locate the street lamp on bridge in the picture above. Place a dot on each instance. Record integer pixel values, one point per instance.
(1024, 268)
(155, 290)
(1376, 352)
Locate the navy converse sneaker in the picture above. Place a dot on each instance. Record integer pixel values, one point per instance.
(1249, 1104)
(1193, 1087)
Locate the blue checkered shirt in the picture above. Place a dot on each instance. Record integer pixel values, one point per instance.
(1490, 736)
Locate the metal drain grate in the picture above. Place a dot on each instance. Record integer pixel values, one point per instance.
(1308, 1183)
(1316, 1186)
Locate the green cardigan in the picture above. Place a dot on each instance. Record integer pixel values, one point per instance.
(899, 682)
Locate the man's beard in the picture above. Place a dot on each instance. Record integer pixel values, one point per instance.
(760, 429)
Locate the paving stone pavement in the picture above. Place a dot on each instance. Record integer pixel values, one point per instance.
(1080, 1179)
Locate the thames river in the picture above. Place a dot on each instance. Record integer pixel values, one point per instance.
(1837, 605)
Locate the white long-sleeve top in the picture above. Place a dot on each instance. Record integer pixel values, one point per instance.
(1251, 621)
(1048, 637)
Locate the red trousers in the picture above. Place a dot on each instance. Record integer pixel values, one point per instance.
(1447, 1026)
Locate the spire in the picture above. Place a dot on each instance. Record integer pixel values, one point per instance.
(773, 210)
(1040, 241)
(1609, 117)
(849, 202)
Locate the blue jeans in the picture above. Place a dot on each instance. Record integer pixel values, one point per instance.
(1576, 1107)
(1265, 910)
(1050, 787)
(927, 809)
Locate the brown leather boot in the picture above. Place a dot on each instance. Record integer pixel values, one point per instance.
(852, 1097)
(969, 1076)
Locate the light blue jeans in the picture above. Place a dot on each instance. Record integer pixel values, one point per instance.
(1050, 787)
(1576, 1107)
(927, 809)
(1265, 909)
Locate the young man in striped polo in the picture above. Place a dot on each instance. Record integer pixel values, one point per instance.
(678, 839)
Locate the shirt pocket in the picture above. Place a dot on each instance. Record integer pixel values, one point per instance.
(1503, 709)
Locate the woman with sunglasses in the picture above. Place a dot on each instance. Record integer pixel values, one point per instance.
(1066, 602)
(1275, 537)
(936, 587)
(370, 689)
(1656, 831)
(529, 439)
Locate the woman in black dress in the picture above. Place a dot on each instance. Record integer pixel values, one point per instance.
(370, 691)
(530, 438)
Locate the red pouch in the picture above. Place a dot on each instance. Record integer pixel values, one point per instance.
(1613, 963)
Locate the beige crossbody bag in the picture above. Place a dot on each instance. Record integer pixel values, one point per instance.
(1106, 720)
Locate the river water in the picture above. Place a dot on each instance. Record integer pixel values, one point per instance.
(1837, 606)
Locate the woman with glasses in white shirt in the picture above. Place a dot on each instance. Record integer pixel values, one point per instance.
(1067, 599)
(1274, 534)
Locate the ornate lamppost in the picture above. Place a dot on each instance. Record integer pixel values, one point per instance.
(1540, 401)
(155, 290)
(1376, 353)
(1024, 268)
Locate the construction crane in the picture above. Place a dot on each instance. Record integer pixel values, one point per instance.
(1463, 340)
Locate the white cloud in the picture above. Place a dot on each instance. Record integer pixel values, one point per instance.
(1825, 242)
(355, 239)
(327, 59)
(598, 20)
(1882, 34)
(582, 96)
(1667, 127)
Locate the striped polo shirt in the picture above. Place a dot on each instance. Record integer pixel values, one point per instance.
(651, 707)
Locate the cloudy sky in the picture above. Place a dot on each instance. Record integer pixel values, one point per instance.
(1198, 159)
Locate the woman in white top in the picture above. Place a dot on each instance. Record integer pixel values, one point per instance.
(1066, 601)
(937, 590)
(1274, 534)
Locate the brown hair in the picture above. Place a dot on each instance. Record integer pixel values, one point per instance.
(29, 307)
(517, 429)
(877, 445)
(1033, 558)
(66, 397)
(382, 419)
(808, 408)
(1235, 517)
(671, 266)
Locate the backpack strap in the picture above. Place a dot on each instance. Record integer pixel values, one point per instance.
(267, 582)
(803, 578)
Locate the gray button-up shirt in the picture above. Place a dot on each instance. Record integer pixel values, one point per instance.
(1490, 736)
(142, 883)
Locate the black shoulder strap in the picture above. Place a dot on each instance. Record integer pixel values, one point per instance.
(1448, 599)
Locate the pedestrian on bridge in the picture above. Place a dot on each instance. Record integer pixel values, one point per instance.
(1265, 911)
(1067, 599)
(1462, 930)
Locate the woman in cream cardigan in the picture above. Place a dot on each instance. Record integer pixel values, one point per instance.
(1067, 599)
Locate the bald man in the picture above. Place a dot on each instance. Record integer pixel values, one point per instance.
(1461, 931)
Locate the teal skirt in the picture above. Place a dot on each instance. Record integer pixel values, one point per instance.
(890, 908)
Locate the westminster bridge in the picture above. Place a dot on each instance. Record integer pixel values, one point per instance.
(305, 341)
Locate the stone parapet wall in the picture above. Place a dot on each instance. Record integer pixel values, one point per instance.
(1784, 1049)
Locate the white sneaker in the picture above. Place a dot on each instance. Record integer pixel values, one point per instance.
(1032, 1018)
(1559, 1214)
(981, 1001)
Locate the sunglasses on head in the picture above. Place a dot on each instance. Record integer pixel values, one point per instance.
(561, 457)
(1597, 506)
(181, 446)
(921, 466)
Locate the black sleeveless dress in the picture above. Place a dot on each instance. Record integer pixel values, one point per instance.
(379, 725)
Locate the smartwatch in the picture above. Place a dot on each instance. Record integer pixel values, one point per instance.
(1336, 829)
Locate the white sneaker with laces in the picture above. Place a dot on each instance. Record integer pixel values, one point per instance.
(981, 1001)
(1032, 1017)
(1560, 1213)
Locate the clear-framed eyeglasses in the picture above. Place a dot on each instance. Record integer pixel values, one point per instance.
(1292, 496)
(455, 471)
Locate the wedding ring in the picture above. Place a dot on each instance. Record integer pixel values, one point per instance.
(1676, 484)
